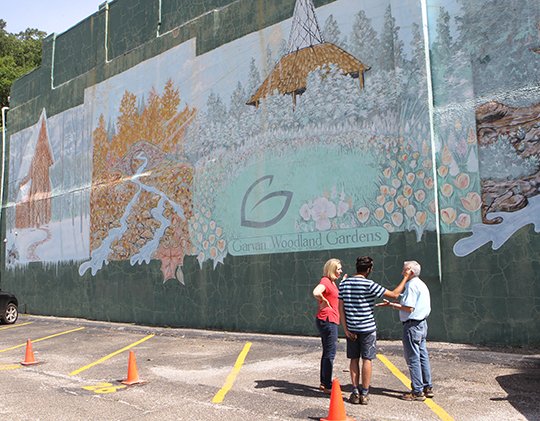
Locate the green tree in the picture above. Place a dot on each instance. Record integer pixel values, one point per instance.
(19, 54)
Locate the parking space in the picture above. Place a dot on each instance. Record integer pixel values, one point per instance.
(201, 375)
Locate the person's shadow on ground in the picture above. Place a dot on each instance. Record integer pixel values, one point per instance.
(523, 389)
(385, 392)
(284, 386)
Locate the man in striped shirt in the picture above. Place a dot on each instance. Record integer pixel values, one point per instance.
(357, 296)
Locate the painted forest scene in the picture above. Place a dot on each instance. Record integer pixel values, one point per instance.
(141, 185)
(163, 161)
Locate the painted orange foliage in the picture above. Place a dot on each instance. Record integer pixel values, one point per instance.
(151, 136)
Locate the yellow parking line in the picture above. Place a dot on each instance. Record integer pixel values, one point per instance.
(232, 375)
(42, 339)
(86, 367)
(441, 413)
(17, 325)
(5, 367)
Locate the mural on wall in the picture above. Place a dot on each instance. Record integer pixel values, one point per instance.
(33, 207)
(509, 142)
(495, 79)
(47, 212)
(317, 137)
(141, 187)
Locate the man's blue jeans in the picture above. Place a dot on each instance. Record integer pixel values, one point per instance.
(329, 334)
(416, 354)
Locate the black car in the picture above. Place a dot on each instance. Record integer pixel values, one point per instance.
(8, 308)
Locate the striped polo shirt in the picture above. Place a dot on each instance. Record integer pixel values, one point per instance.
(358, 295)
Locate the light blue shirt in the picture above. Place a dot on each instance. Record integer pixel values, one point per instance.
(416, 295)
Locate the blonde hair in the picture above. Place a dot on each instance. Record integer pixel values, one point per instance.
(414, 266)
(330, 267)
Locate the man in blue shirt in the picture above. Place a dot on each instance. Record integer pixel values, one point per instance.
(414, 308)
(357, 296)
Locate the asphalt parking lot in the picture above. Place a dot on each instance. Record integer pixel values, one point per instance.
(203, 375)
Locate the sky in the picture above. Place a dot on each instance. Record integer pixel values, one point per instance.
(46, 15)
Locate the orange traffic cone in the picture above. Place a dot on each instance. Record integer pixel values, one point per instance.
(337, 407)
(133, 375)
(29, 356)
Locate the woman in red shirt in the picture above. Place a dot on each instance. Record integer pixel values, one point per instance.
(327, 320)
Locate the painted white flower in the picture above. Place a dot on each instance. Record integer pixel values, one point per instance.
(402, 201)
(420, 217)
(462, 181)
(472, 202)
(342, 208)
(221, 245)
(463, 220)
(201, 258)
(407, 191)
(410, 211)
(442, 170)
(397, 218)
(448, 215)
(323, 209)
(379, 213)
(362, 214)
(305, 211)
(447, 190)
(420, 195)
(389, 227)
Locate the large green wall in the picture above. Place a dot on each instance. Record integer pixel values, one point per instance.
(490, 296)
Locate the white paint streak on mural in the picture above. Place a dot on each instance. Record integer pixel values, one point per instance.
(499, 234)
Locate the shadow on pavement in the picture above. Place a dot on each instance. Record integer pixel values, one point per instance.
(283, 386)
(387, 392)
(523, 389)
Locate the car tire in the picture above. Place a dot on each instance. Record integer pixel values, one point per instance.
(10, 314)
